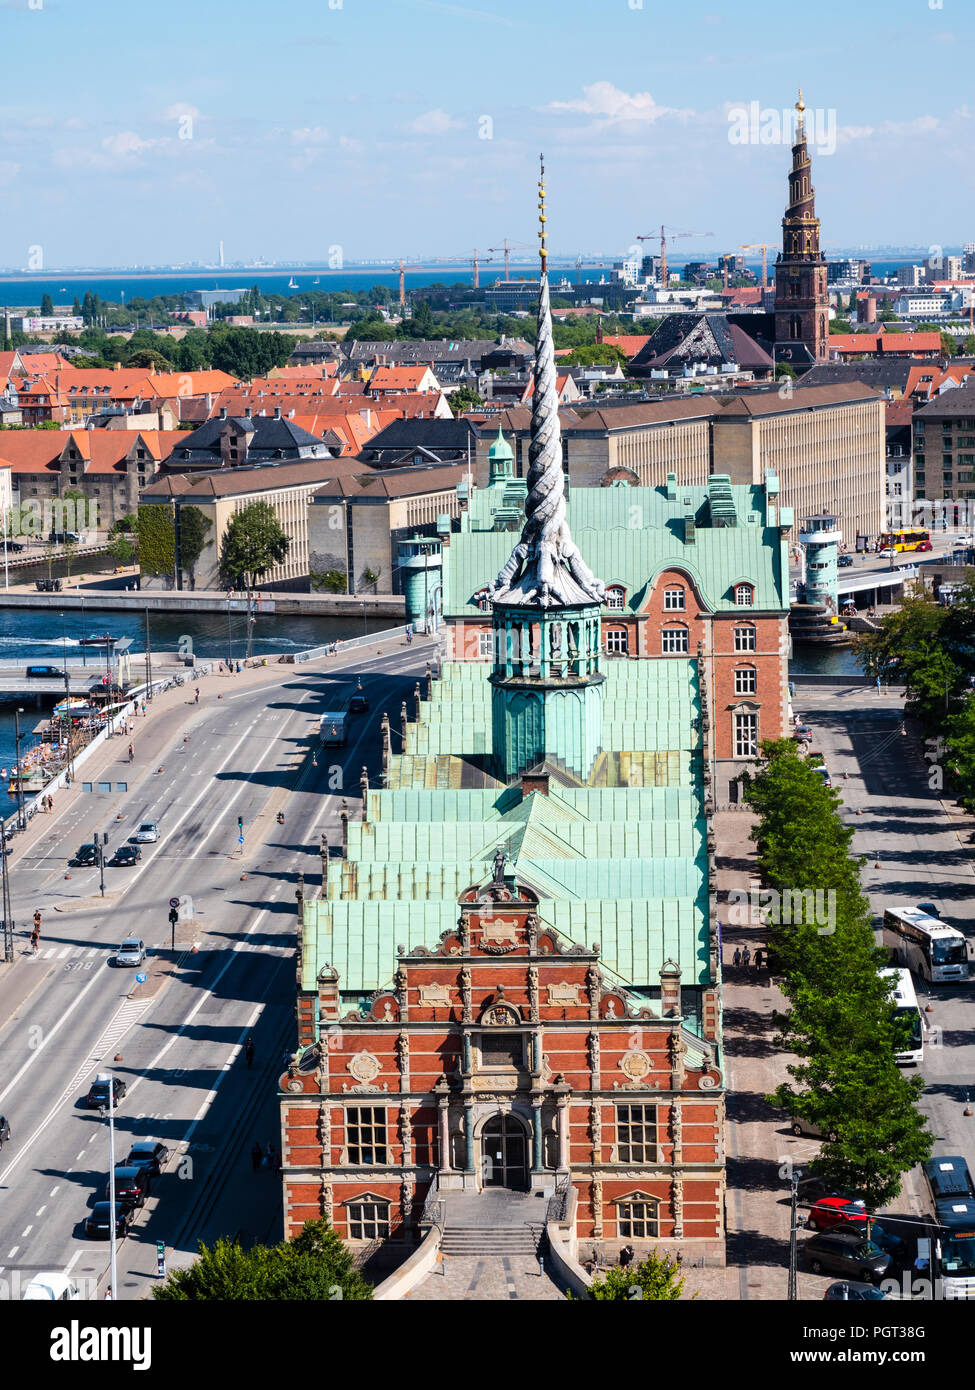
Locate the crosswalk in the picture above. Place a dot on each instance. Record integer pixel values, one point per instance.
(69, 952)
(124, 1018)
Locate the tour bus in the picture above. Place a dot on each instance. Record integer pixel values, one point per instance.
(911, 538)
(904, 997)
(922, 944)
(953, 1267)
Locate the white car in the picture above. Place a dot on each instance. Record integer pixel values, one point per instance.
(147, 833)
(131, 952)
(889, 554)
(49, 1288)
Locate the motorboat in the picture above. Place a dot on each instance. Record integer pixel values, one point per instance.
(98, 639)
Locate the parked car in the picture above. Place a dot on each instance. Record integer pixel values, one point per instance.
(85, 856)
(800, 1126)
(889, 1242)
(131, 1185)
(846, 1252)
(14, 546)
(45, 673)
(844, 562)
(948, 1176)
(98, 1091)
(147, 833)
(148, 1154)
(125, 856)
(51, 1288)
(98, 1223)
(4, 1131)
(852, 1289)
(131, 952)
(836, 1211)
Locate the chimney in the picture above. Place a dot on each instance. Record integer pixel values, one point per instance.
(277, 412)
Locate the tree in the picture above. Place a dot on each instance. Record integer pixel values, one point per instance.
(249, 352)
(657, 1279)
(911, 649)
(76, 307)
(968, 346)
(949, 346)
(121, 550)
(253, 543)
(47, 306)
(332, 581)
(465, 398)
(155, 361)
(193, 527)
(595, 354)
(785, 369)
(839, 325)
(314, 1267)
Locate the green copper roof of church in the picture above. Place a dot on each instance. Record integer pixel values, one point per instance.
(621, 860)
(627, 535)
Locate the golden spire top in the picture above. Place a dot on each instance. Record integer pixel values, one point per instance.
(800, 104)
(541, 213)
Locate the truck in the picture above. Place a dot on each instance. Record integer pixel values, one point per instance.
(333, 728)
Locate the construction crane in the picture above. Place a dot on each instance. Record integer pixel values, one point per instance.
(402, 281)
(764, 248)
(662, 238)
(507, 247)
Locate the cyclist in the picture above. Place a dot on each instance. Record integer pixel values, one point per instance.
(33, 943)
(37, 921)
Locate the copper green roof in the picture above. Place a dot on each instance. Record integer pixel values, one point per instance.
(627, 535)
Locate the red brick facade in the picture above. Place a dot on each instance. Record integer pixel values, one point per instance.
(503, 1058)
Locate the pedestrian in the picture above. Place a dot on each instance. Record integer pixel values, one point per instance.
(108, 1292)
(736, 958)
(626, 1257)
(143, 709)
(249, 1051)
(746, 956)
(131, 752)
(256, 1156)
(197, 693)
(758, 959)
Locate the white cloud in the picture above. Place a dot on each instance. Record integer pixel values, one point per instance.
(433, 123)
(611, 105)
(126, 144)
(178, 110)
(920, 125)
(310, 135)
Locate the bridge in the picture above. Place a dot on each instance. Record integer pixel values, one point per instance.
(82, 680)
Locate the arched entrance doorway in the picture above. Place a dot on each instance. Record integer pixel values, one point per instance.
(504, 1153)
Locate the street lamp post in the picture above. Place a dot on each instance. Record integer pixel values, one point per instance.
(111, 1184)
(8, 920)
(20, 781)
(793, 1232)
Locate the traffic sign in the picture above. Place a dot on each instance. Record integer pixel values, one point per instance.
(174, 902)
(140, 979)
(161, 1259)
(240, 839)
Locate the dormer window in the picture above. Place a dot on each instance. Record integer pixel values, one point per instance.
(615, 596)
(744, 595)
(675, 600)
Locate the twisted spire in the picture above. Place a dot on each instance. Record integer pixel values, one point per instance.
(545, 569)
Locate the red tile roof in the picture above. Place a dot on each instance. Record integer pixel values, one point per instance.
(884, 344)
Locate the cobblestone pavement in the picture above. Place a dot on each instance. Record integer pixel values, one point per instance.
(487, 1278)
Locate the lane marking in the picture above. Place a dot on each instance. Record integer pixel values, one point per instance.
(26, 1232)
(41, 1210)
(13, 1252)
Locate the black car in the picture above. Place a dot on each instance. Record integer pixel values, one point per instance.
(849, 1290)
(843, 1251)
(126, 855)
(358, 704)
(97, 1097)
(844, 561)
(131, 1185)
(149, 1155)
(100, 1220)
(85, 856)
(4, 1131)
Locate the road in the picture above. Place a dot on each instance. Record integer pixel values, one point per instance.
(197, 768)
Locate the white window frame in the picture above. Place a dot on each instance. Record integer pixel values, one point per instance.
(616, 597)
(744, 595)
(743, 748)
(746, 639)
(485, 645)
(675, 600)
(746, 680)
(617, 647)
(671, 632)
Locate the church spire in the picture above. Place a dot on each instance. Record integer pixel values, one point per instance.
(545, 569)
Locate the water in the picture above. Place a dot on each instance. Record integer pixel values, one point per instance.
(823, 661)
(51, 636)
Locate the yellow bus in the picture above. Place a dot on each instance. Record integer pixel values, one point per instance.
(912, 538)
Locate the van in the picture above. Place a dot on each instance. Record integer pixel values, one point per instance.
(48, 1288)
(333, 729)
(948, 1176)
(45, 673)
(823, 771)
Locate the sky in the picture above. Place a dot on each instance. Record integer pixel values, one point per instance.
(370, 129)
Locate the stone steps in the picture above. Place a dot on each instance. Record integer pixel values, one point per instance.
(491, 1240)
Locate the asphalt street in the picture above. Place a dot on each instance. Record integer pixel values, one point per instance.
(180, 1034)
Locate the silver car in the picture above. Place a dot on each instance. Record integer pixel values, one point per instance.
(147, 833)
(131, 952)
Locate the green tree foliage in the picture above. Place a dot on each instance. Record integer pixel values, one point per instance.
(47, 306)
(121, 550)
(841, 1024)
(949, 346)
(193, 528)
(253, 543)
(595, 354)
(913, 647)
(785, 369)
(465, 398)
(154, 361)
(657, 1279)
(839, 325)
(968, 346)
(314, 1267)
(329, 581)
(157, 541)
(245, 353)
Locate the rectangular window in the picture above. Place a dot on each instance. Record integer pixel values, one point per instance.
(636, 1134)
(368, 1220)
(502, 1050)
(617, 641)
(745, 680)
(674, 639)
(638, 1220)
(746, 735)
(674, 600)
(366, 1130)
(744, 639)
(485, 645)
